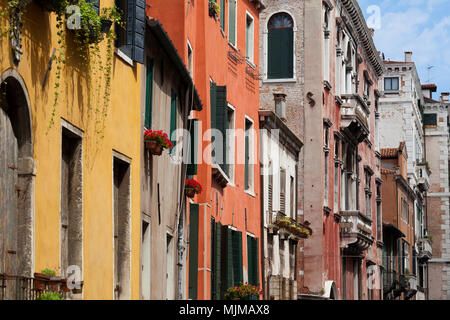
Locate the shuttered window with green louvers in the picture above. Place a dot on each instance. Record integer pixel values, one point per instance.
(219, 121)
(149, 93)
(130, 38)
(217, 258)
(193, 149)
(193, 250)
(232, 22)
(252, 260)
(237, 258)
(222, 15)
(173, 117)
(280, 64)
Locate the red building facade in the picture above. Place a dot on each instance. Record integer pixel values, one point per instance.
(219, 47)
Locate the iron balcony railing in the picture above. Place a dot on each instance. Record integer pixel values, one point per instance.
(14, 287)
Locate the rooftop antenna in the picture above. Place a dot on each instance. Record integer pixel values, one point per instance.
(429, 69)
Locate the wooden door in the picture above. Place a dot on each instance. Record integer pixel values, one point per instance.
(8, 197)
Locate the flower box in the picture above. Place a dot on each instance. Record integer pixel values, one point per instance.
(156, 141)
(40, 281)
(192, 187)
(243, 292)
(214, 9)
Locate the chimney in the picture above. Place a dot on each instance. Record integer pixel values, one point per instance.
(444, 96)
(408, 56)
(280, 105)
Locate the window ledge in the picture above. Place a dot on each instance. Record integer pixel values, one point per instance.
(391, 92)
(250, 193)
(233, 46)
(279, 80)
(124, 57)
(250, 64)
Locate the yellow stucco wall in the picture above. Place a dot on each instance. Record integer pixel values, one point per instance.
(122, 134)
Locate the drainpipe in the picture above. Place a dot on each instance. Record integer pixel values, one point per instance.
(182, 211)
(263, 272)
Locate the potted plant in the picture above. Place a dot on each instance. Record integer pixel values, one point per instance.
(214, 9)
(192, 187)
(283, 222)
(108, 17)
(50, 296)
(243, 292)
(42, 279)
(156, 141)
(89, 30)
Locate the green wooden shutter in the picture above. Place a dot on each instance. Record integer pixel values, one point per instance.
(213, 94)
(218, 257)
(227, 259)
(132, 41)
(192, 166)
(149, 94)
(256, 261)
(193, 250)
(173, 116)
(247, 158)
(221, 123)
(250, 259)
(232, 22)
(237, 258)
(222, 14)
(280, 53)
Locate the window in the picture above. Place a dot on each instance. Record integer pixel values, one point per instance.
(292, 197)
(249, 38)
(404, 210)
(173, 117)
(368, 191)
(379, 216)
(283, 190)
(326, 43)
(232, 21)
(252, 260)
(280, 55)
(326, 152)
(122, 241)
(430, 119)
(149, 93)
(146, 258)
(130, 38)
(391, 84)
(193, 148)
(71, 201)
(170, 267)
(219, 124)
(230, 142)
(249, 149)
(222, 15)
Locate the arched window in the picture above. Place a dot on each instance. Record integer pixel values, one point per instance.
(280, 47)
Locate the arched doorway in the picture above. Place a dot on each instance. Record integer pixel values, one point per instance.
(17, 171)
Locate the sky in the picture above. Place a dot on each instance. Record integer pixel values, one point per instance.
(420, 26)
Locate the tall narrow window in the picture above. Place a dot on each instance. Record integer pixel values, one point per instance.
(170, 268)
(146, 259)
(222, 15)
(71, 201)
(173, 117)
(280, 55)
(249, 149)
(379, 213)
(149, 93)
(122, 242)
(336, 175)
(283, 190)
(249, 38)
(326, 152)
(193, 249)
(232, 34)
(252, 260)
(326, 43)
(230, 142)
(292, 197)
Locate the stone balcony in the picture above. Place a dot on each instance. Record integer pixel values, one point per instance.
(356, 230)
(355, 116)
(425, 249)
(423, 176)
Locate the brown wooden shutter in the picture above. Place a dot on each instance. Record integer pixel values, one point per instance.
(283, 191)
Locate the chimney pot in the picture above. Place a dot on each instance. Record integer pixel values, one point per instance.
(408, 56)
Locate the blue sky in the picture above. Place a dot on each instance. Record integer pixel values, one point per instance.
(421, 26)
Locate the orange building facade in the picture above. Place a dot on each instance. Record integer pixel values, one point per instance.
(224, 223)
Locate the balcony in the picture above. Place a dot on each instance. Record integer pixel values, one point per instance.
(410, 285)
(356, 230)
(423, 176)
(355, 117)
(425, 249)
(288, 228)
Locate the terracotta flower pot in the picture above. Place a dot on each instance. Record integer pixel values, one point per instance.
(40, 281)
(190, 192)
(154, 147)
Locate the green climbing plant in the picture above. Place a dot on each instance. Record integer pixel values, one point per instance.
(87, 40)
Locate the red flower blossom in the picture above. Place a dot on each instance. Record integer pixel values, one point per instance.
(158, 136)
